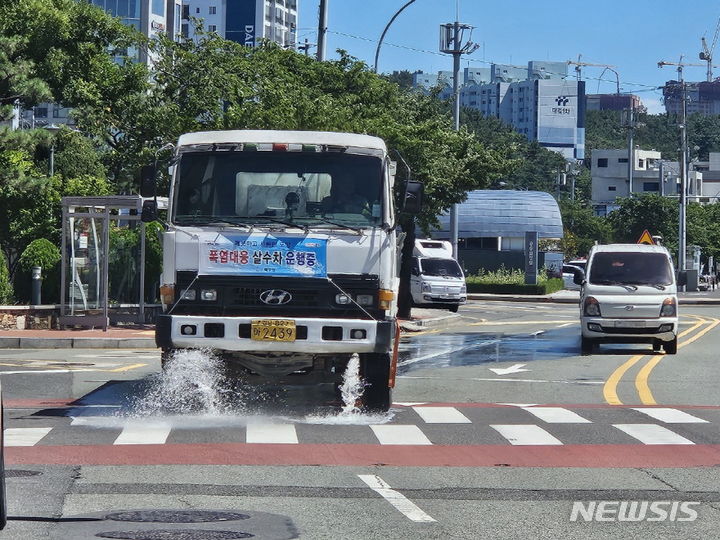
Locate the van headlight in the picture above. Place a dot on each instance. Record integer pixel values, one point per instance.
(592, 307)
(463, 289)
(426, 287)
(668, 308)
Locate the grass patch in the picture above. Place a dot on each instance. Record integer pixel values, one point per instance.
(509, 281)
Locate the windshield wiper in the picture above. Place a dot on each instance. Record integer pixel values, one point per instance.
(213, 221)
(283, 222)
(628, 286)
(658, 286)
(341, 225)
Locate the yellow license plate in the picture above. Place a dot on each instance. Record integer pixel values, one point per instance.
(272, 330)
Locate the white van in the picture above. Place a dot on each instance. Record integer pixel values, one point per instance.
(437, 279)
(629, 294)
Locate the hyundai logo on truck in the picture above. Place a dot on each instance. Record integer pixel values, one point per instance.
(275, 297)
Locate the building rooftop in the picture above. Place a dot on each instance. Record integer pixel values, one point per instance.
(510, 213)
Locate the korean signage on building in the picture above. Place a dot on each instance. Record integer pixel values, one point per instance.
(561, 117)
(263, 254)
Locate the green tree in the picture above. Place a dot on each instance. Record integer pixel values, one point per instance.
(582, 228)
(659, 215)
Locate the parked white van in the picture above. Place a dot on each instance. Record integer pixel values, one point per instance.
(437, 279)
(629, 294)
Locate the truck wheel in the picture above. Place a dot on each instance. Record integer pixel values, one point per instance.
(454, 308)
(656, 345)
(375, 370)
(587, 345)
(166, 357)
(670, 346)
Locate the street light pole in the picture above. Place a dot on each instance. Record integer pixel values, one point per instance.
(682, 249)
(382, 37)
(52, 128)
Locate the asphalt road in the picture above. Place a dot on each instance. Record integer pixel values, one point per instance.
(499, 429)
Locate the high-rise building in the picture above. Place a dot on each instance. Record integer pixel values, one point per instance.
(701, 97)
(244, 21)
(538, 101)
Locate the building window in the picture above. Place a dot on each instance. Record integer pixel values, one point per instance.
(622, 160)
(212, 10)
(612, 188)
(651, 186)
(158, 7)
(186, 12)
(602, 162)
(197, 10)
(212, 28)
(641, 163)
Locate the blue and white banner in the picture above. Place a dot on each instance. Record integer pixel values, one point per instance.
(263, 254)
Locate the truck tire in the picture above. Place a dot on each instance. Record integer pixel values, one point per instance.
(587, 345)
(454, 308)
(670, 346)
(375, 370)
(166, 357)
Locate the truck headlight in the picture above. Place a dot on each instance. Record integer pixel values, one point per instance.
(592, 307)
(208, 295)
(190, 294)
(364, 299)
(668, 308)
(426, 287)
(342, 299)
(463, 289)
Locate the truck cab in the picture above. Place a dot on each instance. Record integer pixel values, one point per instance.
(281, 255)
(436, 281)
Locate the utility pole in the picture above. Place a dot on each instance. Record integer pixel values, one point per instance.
(630, 123)
(682, 226)
(322, 30)
(452, 42)
(306, 47)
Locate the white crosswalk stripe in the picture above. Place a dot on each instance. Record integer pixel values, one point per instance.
(670, 416)
(25, 436)
(652, 434)
(399, 434)
(556, 415)
(441, 415)
(142, 432)
(271, 434)
(525, 434)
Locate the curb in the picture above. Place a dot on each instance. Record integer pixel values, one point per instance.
(419, 325)
(76, 343)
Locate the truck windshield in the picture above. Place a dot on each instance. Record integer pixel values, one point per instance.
(627, 268)
(310, 189)
(441, 267)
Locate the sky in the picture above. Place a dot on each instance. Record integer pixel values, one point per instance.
(631, 35)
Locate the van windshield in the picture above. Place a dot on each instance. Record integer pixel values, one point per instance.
(627, 268)
(441, 267)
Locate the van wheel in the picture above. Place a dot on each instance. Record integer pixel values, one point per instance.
(670, 346)
(656, 345)
(454, 308)
(375, 370)
(587, 345)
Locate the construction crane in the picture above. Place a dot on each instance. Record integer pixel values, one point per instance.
(680, 65)
(579, 65)
(707, 52)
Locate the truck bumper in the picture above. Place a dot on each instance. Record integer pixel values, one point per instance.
(314, 335)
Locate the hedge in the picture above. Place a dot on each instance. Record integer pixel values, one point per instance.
(547, 287)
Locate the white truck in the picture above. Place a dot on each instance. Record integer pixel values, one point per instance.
(281, 255)
(436, 278)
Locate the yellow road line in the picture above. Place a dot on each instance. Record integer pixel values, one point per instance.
(610, 386)
(124, 368)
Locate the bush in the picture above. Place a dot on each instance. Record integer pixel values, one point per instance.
(511, 281)
(40, 252)
(6, 289)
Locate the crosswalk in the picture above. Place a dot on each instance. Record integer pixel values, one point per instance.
(414, 425)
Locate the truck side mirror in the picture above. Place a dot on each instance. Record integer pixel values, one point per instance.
(682, 278)
(149, 211)
(412, 204)
(148, 184)
(578, 277)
